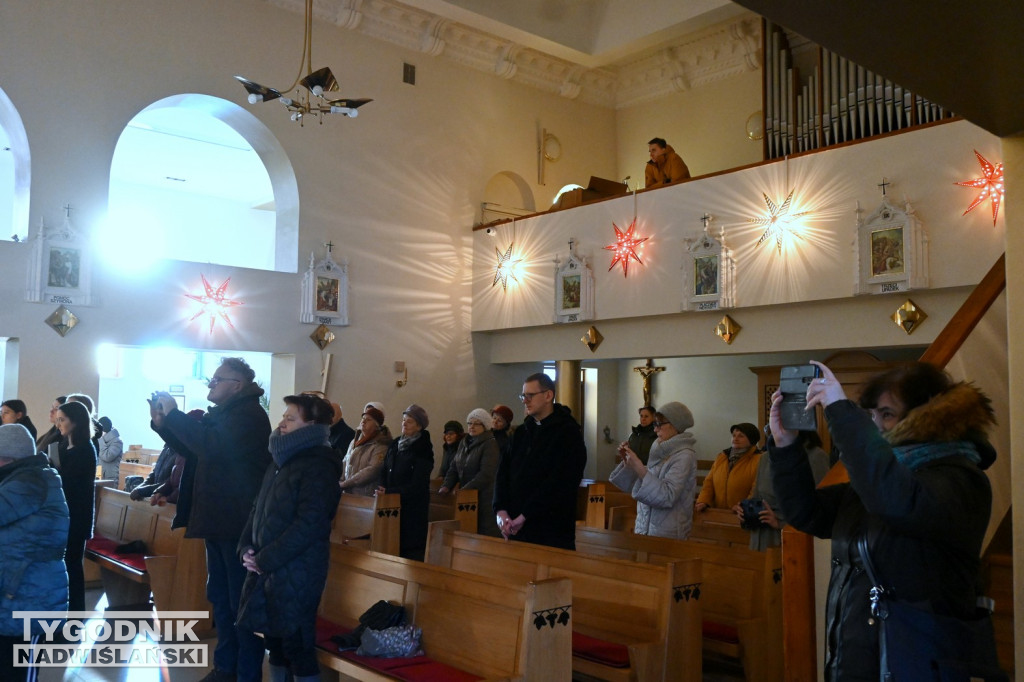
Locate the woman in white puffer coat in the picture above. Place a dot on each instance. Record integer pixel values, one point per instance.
(664, 489)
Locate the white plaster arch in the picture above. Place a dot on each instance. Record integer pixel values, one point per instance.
(274, 158)
(12, 125)
(508, 188)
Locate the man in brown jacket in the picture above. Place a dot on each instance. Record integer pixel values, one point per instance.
(665, 166)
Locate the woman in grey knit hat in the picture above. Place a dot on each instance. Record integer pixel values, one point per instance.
(665, 486)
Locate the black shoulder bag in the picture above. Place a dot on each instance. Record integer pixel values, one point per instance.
(916, 644)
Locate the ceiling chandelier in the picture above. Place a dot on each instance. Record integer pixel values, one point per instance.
(319, 84)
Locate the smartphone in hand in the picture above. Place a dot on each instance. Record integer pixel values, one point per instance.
(793, 383)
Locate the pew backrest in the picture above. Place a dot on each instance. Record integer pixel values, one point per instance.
(602, 496)
(461, 506)
(628, 602)
(368, 522)
(478, 624)
(721, 526)
(741, 590)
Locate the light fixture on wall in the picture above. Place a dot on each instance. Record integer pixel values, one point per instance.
(506, 266)
(214, 303)
(626, 246)
(777, 221)
(990, 184)
(321, 84)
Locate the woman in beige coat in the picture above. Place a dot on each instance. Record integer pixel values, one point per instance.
(365, 456)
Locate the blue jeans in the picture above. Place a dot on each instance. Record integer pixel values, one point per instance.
(238, 651)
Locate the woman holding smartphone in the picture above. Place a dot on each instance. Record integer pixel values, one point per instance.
(664, 487)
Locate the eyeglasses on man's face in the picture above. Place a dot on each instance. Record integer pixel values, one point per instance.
(527, 397)
(216, 380)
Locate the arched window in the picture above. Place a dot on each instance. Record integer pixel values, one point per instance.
(15, 173)
(197, 178)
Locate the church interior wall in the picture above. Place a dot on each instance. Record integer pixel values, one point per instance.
(395, 190)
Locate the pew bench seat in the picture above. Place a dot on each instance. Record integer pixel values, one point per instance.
(412, 669)
(104, 552)
(172, 568)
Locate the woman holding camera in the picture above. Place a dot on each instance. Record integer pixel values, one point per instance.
(767, 528)
(917, 493)
(664, 487)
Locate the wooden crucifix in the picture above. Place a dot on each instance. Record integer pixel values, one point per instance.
(646, 372)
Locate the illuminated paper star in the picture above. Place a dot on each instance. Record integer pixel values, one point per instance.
(214, 303)
(505, 267)
(990, 184)
(625, 248)
(778, 220)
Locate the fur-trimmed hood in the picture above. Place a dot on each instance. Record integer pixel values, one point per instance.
(961, 413)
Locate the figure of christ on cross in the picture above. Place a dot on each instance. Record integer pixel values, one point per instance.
(646, 372)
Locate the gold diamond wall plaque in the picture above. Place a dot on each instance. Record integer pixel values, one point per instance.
(727, 328)
(908, 316)
(322, 336)
(62, 320)
(592, 339)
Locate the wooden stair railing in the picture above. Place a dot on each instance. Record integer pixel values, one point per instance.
(798, 611)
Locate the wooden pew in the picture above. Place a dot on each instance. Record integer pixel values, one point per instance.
(368, 522)
(602, 496)
(477, 624)
(461, 506)
(173, 567)
(93, 579)
(636, 609)
(721, 526)
(140, 455)
(126, 469)
(741, 593)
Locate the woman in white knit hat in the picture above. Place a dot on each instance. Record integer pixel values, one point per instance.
(665, 486)
(473, 469)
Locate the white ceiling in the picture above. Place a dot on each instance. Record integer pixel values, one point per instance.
(591, 33)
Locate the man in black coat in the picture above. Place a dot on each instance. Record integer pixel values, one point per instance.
(538, 479)
(341, 433)
(229, 449)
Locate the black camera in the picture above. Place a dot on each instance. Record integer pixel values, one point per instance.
(752, 509)
(793, 383)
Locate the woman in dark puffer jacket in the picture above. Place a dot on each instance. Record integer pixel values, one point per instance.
(917, 491)
(286, 544)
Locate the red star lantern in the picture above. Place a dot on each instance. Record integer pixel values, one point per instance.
(990, 184)
(214, 303)
(625, 247)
